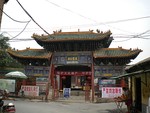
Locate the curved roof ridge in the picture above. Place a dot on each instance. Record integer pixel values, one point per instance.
(28, 48)
(74, 32)
(116, 52)
(29, 53)
(56, 34)
(119, 48)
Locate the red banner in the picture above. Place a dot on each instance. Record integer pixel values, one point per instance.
(73, 73)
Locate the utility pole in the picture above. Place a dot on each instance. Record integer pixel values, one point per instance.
(2, 2)
(1, 10)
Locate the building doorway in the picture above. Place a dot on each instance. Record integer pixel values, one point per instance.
(66, 83)
(138, 95)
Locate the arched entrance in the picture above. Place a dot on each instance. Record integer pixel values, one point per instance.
(72, 70)
(75, 77)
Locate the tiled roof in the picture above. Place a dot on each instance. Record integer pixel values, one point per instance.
(101, 53)
(30, 53)
(88, 35)
(116, 52)
(143, 63)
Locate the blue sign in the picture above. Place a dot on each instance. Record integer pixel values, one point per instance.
(66, 92)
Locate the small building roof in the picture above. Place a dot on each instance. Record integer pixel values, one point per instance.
(30, 53)
(116, 53)
(141, 65)
(74, 41)
(80, 35)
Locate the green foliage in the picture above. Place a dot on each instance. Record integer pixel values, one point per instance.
(5, 59)
(3, 42)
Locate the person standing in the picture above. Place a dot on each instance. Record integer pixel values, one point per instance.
(127, 98)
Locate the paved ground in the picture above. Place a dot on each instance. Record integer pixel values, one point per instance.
(105, 105)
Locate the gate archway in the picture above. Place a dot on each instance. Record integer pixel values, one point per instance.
(77, 78)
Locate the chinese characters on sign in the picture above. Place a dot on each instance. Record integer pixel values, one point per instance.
(30, 90)
(72, 58)
(111, 92)
(73, 73)
(66, 92)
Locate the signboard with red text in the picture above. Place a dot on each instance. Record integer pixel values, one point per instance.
(73, 73)
(111, 92)
(30, 90)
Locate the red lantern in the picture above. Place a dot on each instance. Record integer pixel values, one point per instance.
(63, 77)
(88, 77)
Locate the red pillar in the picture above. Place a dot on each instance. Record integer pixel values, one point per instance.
(53, 82)
(50, 81)
(60, 82)
(52, 75)
(92, 82)
(87, 91)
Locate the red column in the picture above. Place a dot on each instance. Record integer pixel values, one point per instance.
(50, 81)
(87, 88)
(53, 82)
(52, 75)
(92, 83)
(60, 82)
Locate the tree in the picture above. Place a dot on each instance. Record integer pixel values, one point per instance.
(5, 59)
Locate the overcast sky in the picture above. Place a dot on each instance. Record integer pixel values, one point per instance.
(71, 15)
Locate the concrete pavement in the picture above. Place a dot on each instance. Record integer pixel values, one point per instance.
(105, 105)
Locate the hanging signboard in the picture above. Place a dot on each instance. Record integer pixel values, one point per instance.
(106, 82)
(72, 58)
(73, 73)
(111, 92)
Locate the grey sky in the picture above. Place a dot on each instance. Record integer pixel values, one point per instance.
(71, 15)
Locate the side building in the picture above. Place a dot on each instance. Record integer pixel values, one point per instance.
(139, 77)
(77, 60)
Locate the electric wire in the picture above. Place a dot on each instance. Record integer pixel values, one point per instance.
(32, 18)
(85, 18)
(129, 37)
(15, 21)
(110, 22)
(135, 36)
(97, 23)
(21, 31)
(104, 23)
(13, 18)
(70, 10)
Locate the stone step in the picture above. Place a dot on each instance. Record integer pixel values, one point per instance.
(77, 93)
